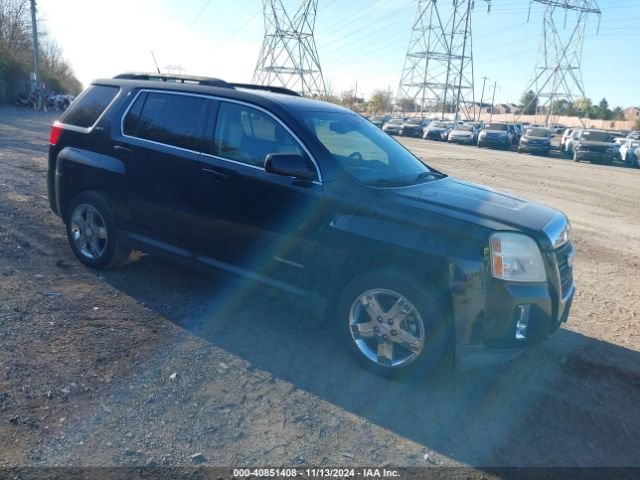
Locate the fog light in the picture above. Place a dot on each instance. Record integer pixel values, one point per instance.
(522, 314)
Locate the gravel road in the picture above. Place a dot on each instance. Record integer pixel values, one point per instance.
(151, 364)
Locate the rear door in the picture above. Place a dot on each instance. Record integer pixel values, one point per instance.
(159, 140)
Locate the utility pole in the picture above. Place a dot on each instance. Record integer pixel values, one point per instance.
(36, 62)
(484, 82)
(493, 100)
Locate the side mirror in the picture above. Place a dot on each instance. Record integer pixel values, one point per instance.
(289, 165)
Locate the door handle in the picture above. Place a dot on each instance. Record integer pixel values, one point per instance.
(215, 175)
(121, 149)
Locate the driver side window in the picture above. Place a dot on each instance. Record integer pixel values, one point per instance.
(247, 135)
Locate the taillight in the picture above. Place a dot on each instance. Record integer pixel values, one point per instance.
(56, 130)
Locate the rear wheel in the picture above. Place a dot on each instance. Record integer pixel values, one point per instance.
(575, 157)
(91, 231)
(393, 324)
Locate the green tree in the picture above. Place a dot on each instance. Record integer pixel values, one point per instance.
(407, 105)
(583, 106)
(529, 103)
(380, 102)
(618, 113)
(603, 110)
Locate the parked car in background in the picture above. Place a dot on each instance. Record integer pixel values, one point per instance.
(499, 135)
(596, 146)
(414, 127)
(393, 125)
(535, 140)
(628, 152)
(565, 135)
(556, 128)
(467, 134)
(437, 131)
(617, 143)
(635, 135)
(379, 120)
(571, 139)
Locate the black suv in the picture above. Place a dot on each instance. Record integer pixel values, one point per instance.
(594, 146)
(308, 197)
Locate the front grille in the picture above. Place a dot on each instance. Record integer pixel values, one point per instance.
(566, 271)
(594, 148)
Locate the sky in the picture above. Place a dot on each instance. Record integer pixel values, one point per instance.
(361, 42)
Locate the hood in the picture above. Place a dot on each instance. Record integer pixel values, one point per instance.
(482, 206)
(591, 143)
(439, 129)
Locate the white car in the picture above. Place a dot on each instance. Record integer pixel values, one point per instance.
(628, 152)
(571, 140)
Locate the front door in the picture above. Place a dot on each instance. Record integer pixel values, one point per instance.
(260, 223)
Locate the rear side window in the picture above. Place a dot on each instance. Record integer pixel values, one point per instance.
(247, 135)
(86, 110)
(177, 120)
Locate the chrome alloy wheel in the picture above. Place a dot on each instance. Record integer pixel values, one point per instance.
(387, 328)
(88, 231)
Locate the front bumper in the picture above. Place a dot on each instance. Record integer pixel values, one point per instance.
(534, 148)
(502, 142)
(464, 140)
(435, 135)
(497, 319)
(411, 132)
(600, 157)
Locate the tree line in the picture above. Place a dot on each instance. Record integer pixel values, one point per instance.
(16, 55)
(582, 107)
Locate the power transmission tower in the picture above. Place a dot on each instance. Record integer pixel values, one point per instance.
(558, 74)
(438, 69)
(289, 57)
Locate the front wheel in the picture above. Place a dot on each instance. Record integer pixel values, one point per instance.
(91, 231)
(392, 324)
(575, 157)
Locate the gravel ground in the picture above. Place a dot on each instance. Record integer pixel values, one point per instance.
(151, 364)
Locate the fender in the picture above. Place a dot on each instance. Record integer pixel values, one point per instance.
(79, 170)
(461, 265)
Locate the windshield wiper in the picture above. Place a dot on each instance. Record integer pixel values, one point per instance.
(435, 175)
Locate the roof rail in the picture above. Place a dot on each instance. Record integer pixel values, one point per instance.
(206, 81)
(266, 88)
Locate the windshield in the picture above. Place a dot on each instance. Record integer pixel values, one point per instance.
(378, 118)
(396, 120)
(538, 132)
(440, 125)
(497, 126)
(595, 136)
(414, 121)
(363, 150)
(467, 128)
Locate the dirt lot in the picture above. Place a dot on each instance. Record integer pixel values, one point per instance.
(87, 360)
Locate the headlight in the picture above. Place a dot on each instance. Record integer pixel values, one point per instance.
(482, 134)
(524, 140)
(516, 258)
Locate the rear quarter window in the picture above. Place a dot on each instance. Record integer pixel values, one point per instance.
(88, 107)
(177, 120)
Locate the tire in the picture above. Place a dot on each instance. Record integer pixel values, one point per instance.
(90, 211)
(519, 151)
(575, 157)
(426, 323)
